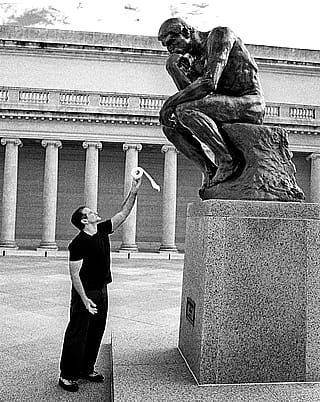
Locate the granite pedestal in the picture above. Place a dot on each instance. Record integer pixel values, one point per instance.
(250, 310)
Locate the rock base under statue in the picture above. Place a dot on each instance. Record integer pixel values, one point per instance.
(264, 170)
(250, 309)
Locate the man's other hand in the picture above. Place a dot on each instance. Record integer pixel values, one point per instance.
(90, 306)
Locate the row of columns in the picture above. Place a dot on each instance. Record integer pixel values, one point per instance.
(50, 188)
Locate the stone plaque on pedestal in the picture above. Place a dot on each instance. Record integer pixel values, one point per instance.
(250, 309)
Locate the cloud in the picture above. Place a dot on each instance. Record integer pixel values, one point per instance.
(184, 9)
(33, 16)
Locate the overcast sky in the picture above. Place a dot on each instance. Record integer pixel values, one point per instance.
(289, 23)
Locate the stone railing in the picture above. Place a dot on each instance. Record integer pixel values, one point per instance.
(114, 101)
(272, 111)
(148, 103)
(34, 97)
(46, 100)
(74, 99)
(293, 112)
(3, 95)
(96, 102)
(302, 113)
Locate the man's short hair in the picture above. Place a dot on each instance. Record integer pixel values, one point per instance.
(77, 217)
(176, 25)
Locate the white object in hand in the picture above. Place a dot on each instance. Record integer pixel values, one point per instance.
(138, 172)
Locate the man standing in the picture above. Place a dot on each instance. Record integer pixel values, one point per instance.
(218, 82)
(89, 266)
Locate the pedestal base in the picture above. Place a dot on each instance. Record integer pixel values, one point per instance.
(128, 248)
(48, 246)
(168, 249)
(251, 288)
(10, 244)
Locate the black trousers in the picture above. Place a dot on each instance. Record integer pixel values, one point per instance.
(83, 335)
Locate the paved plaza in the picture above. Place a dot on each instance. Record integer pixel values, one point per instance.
(144, 317)
(34, 306)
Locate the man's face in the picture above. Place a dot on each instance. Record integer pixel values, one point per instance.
(174, 40)
(91, 216)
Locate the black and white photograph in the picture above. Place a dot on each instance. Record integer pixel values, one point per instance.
(159, 201)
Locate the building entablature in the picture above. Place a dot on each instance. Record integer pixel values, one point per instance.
(144, 49)
(120, 117)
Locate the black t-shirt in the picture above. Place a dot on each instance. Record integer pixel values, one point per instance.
(95, 252)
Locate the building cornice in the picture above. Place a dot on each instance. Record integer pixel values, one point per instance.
(138, 55)
(141, 48)
(79, 38)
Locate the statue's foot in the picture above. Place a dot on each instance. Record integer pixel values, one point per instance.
(226, 170)
(208, 177)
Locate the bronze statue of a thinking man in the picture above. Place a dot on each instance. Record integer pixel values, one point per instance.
(218, 82)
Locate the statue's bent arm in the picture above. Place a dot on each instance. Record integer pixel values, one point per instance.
(219, 44)
(196, 90)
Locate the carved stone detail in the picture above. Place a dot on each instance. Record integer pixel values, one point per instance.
(95, 144)
(137, 147)
(55, 143)
(265, 169)
(168, 147)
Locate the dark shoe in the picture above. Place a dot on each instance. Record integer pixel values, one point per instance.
(68, 385)
(93, 377)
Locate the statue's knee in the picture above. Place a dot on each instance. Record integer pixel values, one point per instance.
(169, 133)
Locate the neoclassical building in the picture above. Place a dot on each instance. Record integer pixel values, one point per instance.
(79, 110)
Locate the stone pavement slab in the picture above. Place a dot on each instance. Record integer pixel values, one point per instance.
(144, 313)
(147, 366)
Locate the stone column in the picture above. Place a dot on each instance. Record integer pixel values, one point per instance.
(91, 173)
(129, 226)
(50, 189)
(169, 199)
(315, 177)
(9, 193)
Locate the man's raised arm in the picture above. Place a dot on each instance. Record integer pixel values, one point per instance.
(127, 205)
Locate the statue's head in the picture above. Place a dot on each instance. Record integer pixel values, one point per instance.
(176, 35)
